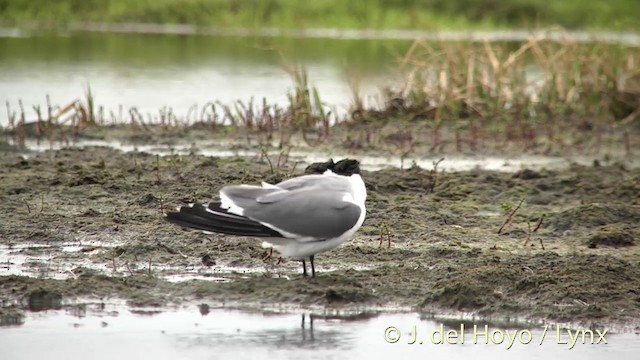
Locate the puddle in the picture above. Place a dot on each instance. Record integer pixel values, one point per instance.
(57, 261)
(188, 277)
(367, 162)
(206, 332)
(50, 260)
(215, 273)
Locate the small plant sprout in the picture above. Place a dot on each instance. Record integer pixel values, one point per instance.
(433, 176)
(174, 160)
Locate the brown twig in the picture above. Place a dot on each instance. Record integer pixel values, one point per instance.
(129, 268)
(22, 128)
(510, 216)
(384, 230)
(263, 151)
(135, 165)
(293, 169)
(283, 158)
(526, 241)
(158, 169)
(27, 204)
(529, 232)
(434, 176)
(539, 224)
(541, 243)
(113, 261)
(39, 126)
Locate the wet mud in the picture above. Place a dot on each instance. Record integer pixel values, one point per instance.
(89, 223)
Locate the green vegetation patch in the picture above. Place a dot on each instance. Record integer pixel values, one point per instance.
(376, 14)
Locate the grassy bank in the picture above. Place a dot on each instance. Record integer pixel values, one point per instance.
(378, 14)
(536, 97)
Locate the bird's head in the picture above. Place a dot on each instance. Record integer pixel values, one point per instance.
(345, 167)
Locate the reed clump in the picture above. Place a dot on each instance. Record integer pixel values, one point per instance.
(270, 125)
(258, 124)
(53, 124)
(537, 95)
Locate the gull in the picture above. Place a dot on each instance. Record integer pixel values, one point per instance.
(299, 217)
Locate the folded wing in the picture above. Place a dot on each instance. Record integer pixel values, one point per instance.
(215, 219)
(307, 212)
(308, 208)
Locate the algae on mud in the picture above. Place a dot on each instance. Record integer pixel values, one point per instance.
(77, 223)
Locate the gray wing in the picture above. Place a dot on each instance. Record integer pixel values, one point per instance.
(324, 181)
(310, 212)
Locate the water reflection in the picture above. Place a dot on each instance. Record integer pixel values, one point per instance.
(307, 335)
(205, 331)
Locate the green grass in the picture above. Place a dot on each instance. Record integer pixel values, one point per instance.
(359, 14)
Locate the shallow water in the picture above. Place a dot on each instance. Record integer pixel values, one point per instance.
(181, 67)
(152, 71)
(59, 261)
(200, 332)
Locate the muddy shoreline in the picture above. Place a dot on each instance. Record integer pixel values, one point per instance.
(88, 223)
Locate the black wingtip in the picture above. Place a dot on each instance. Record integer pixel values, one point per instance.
(197, 217)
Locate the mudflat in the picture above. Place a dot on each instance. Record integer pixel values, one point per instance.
(78, 223)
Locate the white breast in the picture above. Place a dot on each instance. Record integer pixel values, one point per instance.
(359, 198)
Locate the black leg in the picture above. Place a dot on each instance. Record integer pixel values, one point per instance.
(304, 268)
(313, 267)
